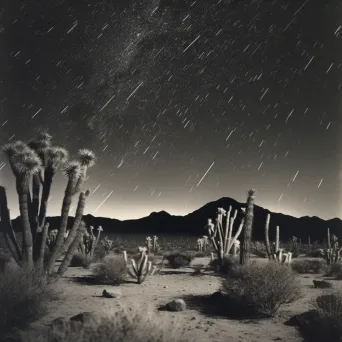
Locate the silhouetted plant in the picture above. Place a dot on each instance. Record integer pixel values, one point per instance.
(36, 163)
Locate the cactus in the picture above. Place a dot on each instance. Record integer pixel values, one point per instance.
(200, 245)
(36, 163)
(88, 244)
(107, 245)
(221, 238)
(247, 229)
(276, 254)
(333, 252)
(155, 245)
(148, 244)
(141, 270)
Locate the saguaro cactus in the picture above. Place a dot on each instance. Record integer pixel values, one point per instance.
(247, 229)
(35, 163)
(141, 270)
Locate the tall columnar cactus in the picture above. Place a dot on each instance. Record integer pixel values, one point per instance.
(221, 236)
(141, 270)
(247, 229)
(36, 163)
(333, 252)
(274, 252)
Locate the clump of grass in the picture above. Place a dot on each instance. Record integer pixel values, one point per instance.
(24, 294)
(260, 289)
(125, 325)
(179, 259)
(309, 266)
(111, 270)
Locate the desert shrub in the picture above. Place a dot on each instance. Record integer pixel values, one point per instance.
(125, 325)
(200, 254)
(80, 260)
(309, 266)
(227, 266)
(261, 289)
(179, 259)
(317, 253)
(111, 270)
(260, 254)
(335, 270)
(324, 323)
(24, 294)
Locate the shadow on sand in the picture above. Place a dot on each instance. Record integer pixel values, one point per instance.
(217, 305)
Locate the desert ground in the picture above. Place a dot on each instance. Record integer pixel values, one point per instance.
(78, 294)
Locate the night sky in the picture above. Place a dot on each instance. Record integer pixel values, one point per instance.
(183, 102)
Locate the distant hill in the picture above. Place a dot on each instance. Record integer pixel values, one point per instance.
(194, 223)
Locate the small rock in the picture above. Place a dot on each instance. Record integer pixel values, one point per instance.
(107, 294)
(193, 318)
(176, 305)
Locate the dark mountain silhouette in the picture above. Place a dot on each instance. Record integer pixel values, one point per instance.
(194, 223)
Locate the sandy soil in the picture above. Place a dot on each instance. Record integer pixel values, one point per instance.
(159, 289)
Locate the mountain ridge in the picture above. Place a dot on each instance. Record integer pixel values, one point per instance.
(194, 223)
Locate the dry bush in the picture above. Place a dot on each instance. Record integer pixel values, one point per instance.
(80, 260)
(24, 294)
(111, 270)
(324, 323)
(179, 259)
(335, 270)
(309, 266)
(261, 289)
(125, 325)
(259, 254)
(228, 264)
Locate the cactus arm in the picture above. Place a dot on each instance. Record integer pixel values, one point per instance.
(237, 233)
(77, 222)
(230, 233)
(277, 240)
(226, 232)
(70, 253)
(267, 239)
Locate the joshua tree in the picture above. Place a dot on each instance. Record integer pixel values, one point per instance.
(247, 229)
(36, 162)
